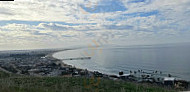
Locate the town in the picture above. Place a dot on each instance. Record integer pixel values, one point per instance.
(40, 63)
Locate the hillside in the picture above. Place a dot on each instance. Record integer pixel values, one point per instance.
(18, 83)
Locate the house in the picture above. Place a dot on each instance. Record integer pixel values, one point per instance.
(75, 74)
(125, 76)
(169, 81)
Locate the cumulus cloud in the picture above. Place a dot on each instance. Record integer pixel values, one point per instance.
(5, 11)
(62, 22)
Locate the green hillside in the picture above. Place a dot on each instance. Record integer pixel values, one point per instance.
(17, 83)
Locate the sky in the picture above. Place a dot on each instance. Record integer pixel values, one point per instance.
(36, 24)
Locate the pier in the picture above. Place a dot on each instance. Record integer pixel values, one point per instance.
(79, 58)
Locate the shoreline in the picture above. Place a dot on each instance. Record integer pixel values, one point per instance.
(117, 77)
(59, 61)
(164, 72)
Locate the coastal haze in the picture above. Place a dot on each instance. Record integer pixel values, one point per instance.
(170, 59)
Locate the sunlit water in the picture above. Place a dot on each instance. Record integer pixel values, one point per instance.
(166, 58)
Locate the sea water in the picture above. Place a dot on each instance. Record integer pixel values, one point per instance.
(170, 59)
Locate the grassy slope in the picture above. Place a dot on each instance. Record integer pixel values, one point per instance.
(14, 83)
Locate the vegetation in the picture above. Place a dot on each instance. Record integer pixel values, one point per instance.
(18, 83)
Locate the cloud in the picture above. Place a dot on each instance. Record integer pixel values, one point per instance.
(5, 11)
(54, 27)
(65, 22)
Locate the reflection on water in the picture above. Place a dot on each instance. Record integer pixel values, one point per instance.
(168, 59)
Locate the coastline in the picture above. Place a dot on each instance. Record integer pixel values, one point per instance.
(64, 64)
(119, 77)
(59, 61)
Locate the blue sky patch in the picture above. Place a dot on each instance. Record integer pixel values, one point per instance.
(136, 14)
(142, 14)
(140, 1)
(106, 6)
(136, 1)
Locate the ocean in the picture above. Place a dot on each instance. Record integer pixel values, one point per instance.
(171, 59)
